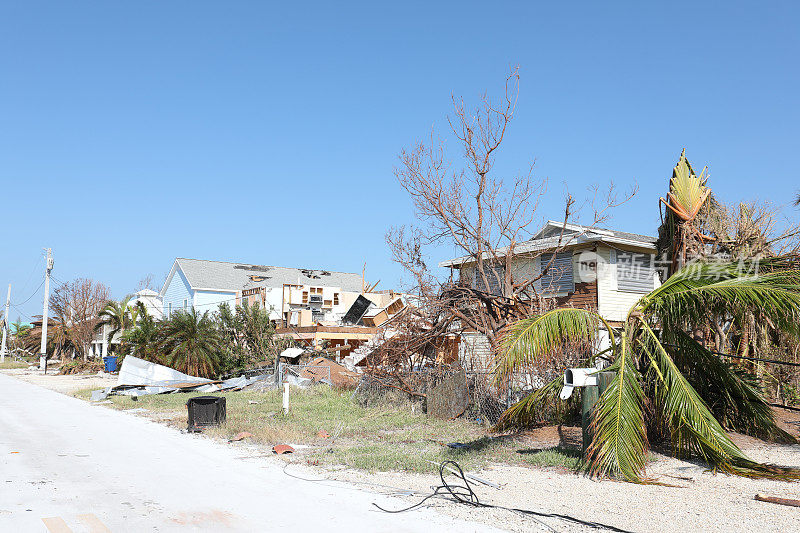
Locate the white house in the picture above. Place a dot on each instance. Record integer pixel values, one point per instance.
(151, 301)
(604, 270)
(101, 344)
(289, 293)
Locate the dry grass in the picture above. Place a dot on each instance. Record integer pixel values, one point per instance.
(10, 364)
(372, 438)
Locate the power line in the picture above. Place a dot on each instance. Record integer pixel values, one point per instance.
(21, 312)
(35, 292)
(30, 276)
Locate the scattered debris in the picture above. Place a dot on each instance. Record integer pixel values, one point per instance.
(240, 436)
(324, 370)
(323, 434)
(780, 501)
(138, 377)
(281, 449)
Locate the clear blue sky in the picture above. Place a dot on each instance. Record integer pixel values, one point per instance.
(135, 132)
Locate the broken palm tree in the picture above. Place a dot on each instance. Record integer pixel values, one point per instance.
(682, 234)
(667, 381)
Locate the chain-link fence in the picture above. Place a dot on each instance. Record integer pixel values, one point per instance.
(305, 374)
(446, 393)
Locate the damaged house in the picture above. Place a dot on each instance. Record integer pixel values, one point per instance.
(604, 270)
(317, 308)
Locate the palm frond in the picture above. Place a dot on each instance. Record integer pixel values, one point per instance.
(527, 411)
(619, 440)
(694, 290)
(692, 426)
(687, 191)
(734, 400)
(528, 340)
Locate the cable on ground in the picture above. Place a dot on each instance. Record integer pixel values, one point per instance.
(465, 495)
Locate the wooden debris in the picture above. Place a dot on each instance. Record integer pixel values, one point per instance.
(780, 501)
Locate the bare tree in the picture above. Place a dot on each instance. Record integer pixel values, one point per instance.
(483, 216)
(146, 282)
(76, 306)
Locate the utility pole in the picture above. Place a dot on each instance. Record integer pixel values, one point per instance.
(5, 326)
(46, 307)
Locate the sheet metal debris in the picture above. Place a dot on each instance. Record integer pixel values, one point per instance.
(138, 377)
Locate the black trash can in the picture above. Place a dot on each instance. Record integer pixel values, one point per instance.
(205, 411)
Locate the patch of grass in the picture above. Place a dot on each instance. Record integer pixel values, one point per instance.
(367, 438)
(9, 364)
(553, 457)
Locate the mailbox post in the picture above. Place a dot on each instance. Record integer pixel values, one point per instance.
(588, 400)
(593, 383)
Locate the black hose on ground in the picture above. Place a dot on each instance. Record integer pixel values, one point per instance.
(465, 495)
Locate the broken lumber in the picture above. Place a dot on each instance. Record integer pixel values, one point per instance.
(780, 501)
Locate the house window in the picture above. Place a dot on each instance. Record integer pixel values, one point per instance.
(335, 298)
(635, 271)
(305, 297)
(559, 278)
(495, 277)
(185, 303)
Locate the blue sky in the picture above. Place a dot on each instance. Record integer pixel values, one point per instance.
(136, 132)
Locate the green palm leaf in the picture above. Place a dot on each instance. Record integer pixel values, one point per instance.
(692, 426)
(619, 442)
(527, 411)
(735, 401)
(529, 340)
(689, 295)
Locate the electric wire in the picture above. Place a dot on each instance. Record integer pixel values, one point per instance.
(35, 292)
(464, 494)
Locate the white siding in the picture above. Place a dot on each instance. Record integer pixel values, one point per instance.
(475, 352)
(210, 300)
(613, 304)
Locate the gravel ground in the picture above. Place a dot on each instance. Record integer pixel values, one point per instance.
(698, 501)
(703, 502)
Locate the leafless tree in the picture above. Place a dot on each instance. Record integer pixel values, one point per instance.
(483, 216)
(76, 306)
(146, 282)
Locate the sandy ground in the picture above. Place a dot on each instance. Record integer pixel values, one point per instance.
(63, 384)
(697, 501)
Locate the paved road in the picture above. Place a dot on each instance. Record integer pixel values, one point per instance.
(69, 466)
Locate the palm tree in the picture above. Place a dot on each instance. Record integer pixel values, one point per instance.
(665, 379)
(192, 343)
(689, 204)
(143, 340)
(120, 316)
(20, 329)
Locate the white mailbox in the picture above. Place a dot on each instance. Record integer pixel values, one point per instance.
(577, 377)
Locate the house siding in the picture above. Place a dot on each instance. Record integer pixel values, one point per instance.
(614, 304)
(177, 291)
(210, 300)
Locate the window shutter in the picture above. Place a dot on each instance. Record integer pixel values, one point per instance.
(634, 272)
(559, 277)
(495, 276)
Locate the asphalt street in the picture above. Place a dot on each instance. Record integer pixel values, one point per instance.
(68, 466)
